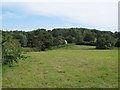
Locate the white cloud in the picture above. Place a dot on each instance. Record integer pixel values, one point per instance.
(9, 15)
(103, 15)
(60, 1)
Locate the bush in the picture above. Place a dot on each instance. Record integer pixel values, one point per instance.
(105, 41)
(89, 36)
(22, 39)
(91, 43)
(43, 40)
(70, 39)
(56, 42)
(79, 40)
(29, 49)
(11, 51)
(117, 43)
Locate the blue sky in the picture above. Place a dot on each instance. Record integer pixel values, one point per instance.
(49, 15)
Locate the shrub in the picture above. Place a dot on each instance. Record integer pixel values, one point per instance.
(70, 39)
(56, 42)
(117, 43)
(105, 41)
(22, 39)
(11, 51)
(43, 40)
(89, 36)
(79, 40)
(92, 43)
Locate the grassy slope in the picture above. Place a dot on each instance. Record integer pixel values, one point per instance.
(72, 66)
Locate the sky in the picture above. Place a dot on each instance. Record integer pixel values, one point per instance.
(34, 14)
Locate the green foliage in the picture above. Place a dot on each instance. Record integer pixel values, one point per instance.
(105, 41)
(117, 43)
(56, 41)
(29, 49)
(22, 39)
(42, 39)
(70, 39)
(30, 38)
(79, 38)
(117, 35)
(91, 43)
(89, 36)
(11, 51)
(6, 36)
(61, 40)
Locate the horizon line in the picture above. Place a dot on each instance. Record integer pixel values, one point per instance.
(59, 28)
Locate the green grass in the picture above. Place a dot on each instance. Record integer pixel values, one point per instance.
(75, 66)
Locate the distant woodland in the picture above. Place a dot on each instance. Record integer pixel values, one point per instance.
(42, 40)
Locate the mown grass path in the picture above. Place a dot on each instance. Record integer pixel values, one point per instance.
(69, 67)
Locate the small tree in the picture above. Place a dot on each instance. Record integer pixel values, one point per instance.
(89, 36)
(56, 41)
(105, 41)
(43, 40)
(79, 38)
(11, 51)
(117, 43)
(70, 39)
(22, 39)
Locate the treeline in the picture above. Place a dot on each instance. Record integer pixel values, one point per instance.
(43, 39)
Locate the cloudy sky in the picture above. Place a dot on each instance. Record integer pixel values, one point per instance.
(102, 15)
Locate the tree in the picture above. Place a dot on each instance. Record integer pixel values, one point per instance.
(70, 39)
(56, 41)
(89, 36)
(42, 40)
(105, 41)
(117, 44)
(11, 51)
(78, 38)
(22, 39)
(30, 39)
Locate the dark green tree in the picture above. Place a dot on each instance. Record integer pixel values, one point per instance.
(22, 39)
(56, 41)
(11, 51)
(70, 39)
(42, 40)
(89, 36)
(105, 41)
(78, 38)
(117, 44)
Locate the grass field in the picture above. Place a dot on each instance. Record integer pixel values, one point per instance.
(74, 66)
